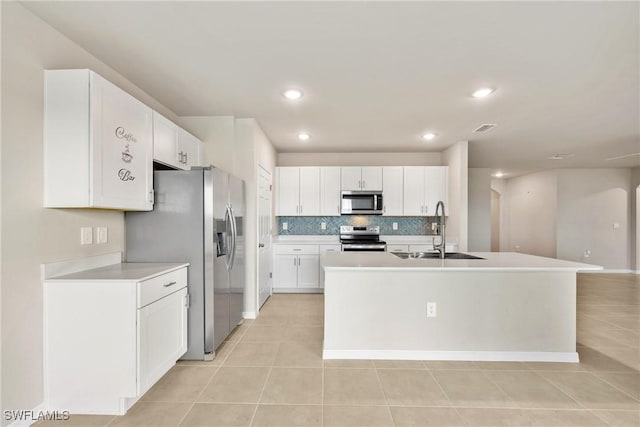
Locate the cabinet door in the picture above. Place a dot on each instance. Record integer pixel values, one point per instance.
(351, 179)
(288, 191)
(393, 190)
(372, 178)
(330, 191)
(162, 337)
(285, 271)
(413, 190)
(188, 150)
(165, 140)
(121, 134)
(436, 187)
(308, 271)
(309, 191)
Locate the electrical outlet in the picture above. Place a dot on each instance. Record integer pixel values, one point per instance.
(323, 226)
(395, 225)
(432, 309)
(517, 248)
(285, 226)
(616, 225)
(102, 235)
(587, 253)
(86, 235)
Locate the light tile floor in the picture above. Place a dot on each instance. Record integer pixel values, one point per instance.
(270, 373)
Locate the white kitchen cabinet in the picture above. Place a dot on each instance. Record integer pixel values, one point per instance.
(298, 191)
(174, 146)
(424, 186)
(111, 333)
(97, 144)
(323, 249)
(296, 268)
(330, 191)
(392, 190)
(361, 178)
(189, 148)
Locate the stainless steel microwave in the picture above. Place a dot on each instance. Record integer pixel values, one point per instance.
(361, 203)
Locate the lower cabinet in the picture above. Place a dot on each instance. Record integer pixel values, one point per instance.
(109, 339)
(296, 268)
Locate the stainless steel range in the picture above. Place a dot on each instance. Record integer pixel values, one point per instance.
(363, 239)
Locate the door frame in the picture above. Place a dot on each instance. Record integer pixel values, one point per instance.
(269, 244)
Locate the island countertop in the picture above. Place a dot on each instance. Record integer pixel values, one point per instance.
(493, 261)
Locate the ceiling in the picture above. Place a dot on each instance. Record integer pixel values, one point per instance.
(377, 75)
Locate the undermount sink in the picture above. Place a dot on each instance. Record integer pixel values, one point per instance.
(434, 255)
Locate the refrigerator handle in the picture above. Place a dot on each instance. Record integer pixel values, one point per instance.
(234, 233)
(229, 232)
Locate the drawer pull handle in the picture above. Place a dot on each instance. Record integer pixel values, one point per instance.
(170, 284)
(297, 249)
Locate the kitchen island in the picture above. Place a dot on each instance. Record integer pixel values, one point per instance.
(503, 307)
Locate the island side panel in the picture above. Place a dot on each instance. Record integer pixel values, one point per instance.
(481, 315)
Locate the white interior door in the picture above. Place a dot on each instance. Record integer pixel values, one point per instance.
(264, 236)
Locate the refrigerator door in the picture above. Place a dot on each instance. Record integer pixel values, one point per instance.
(221, 216)
(237, 273)
(174, 232)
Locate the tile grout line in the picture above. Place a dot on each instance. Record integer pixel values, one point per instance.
(264, 387)
(386, 401)
(616, 387)
(448, 398)
(186, 414)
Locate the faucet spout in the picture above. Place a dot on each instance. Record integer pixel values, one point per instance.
(441, 225)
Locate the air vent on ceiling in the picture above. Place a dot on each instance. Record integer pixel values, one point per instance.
(484, 128)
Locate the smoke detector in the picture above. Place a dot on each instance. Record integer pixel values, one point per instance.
(484, 128)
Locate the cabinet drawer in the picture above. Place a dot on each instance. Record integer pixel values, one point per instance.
(330, 248)
(297, 249)
(153, 289)
(397, 248)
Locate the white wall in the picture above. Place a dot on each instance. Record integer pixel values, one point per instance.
(218, 137)
(36, 235)
(480, 209)
(590, 201)
(457, 158)
(253, 148)
(360, 159)
(634, 230)
(500, 186)
(532, 206)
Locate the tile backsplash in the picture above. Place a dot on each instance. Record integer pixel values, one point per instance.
(311, 225)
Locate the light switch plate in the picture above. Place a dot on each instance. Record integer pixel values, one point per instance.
(102, 235)
(86, 235)
(395, 225)
(323, 226)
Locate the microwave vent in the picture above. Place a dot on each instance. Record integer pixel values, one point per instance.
(485, 127)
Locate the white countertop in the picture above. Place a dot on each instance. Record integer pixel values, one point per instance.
(129, 271)
(502, 261)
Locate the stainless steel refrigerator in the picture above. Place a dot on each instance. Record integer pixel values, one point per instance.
(198, 217)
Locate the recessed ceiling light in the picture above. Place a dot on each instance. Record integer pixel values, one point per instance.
(303, 136)
(429, 136)
(498, 174)
(293, 94)
(482, 92)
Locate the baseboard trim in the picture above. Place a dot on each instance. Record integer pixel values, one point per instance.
(249, 315)
(298, 291)
(483, 356)
(610, 271)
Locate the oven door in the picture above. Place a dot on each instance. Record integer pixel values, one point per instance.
(361, 203)
(354, 247)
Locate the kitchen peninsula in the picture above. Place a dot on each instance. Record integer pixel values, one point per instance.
(503, 307)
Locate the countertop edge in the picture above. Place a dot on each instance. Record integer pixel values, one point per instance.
(163, 268)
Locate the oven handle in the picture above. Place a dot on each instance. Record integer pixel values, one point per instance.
(348, 247)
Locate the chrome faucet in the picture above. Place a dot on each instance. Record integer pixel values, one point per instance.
(442, 245)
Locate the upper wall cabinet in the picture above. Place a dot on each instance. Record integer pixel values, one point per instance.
(97, 144)
(330, 191)
(174, 146)
(424, 186)
(298, 191)
(362, 178)
(392, 190)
